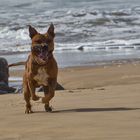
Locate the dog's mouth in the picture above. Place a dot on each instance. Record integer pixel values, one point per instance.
(43, 55)
(41, 52)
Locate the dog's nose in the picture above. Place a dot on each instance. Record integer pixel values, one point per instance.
(45, 47)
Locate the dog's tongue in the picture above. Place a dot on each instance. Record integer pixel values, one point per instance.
(42, 56)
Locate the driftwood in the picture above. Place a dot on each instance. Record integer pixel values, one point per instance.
(17, 64)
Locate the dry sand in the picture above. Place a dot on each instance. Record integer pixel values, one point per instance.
(101, 103)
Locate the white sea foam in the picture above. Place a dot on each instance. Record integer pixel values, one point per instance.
(89, 46)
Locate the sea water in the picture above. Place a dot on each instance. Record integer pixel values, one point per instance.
(88, 32)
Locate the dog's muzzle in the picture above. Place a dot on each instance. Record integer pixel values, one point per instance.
(40, 50)
(41, 53)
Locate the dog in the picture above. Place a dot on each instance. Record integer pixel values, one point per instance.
(40, 69)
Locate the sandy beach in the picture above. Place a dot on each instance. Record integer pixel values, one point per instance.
(100, 103)
(97, 48)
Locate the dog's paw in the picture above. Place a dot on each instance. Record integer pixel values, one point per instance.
(28, 111)
(35, 98)
(47, 108)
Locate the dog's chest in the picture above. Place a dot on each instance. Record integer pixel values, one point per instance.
(42, 77)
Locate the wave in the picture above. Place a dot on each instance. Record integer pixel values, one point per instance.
(103, 28)
(110, 45)
(97, 46)
(22, 5)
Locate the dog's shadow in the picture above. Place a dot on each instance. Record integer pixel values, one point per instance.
(95, 110)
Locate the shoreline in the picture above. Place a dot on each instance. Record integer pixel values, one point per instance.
(86, 77)
(83, 58)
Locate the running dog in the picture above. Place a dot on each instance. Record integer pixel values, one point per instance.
(40, 68)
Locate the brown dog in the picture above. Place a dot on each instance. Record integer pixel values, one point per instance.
(41, 68)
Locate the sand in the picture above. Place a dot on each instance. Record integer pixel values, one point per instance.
(99, 103)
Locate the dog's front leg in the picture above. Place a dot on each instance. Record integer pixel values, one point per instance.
(32, 91)
(47, 105)
(27, 96)
(47, 98)
(49, 93)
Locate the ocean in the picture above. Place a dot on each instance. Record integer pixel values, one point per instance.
(88, 32)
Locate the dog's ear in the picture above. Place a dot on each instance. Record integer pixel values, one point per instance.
(50, 31)
(32, 31)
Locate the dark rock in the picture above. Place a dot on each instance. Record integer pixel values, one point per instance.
(4, 74)
(58, 87)
(81, 48)
(4, 88)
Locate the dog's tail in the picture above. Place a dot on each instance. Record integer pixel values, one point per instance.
(17, 64)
